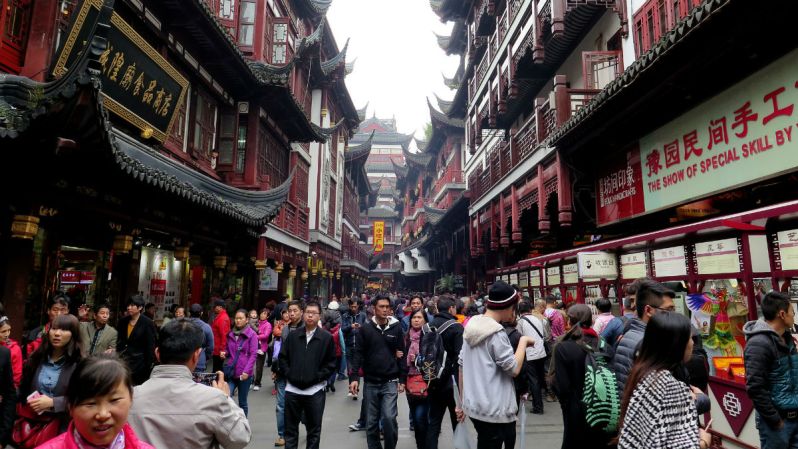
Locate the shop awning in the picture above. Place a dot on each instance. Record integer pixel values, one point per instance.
(753, 220)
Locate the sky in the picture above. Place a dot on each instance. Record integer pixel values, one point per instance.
(399, 62)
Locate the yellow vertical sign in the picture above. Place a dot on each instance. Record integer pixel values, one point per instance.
(379, 236)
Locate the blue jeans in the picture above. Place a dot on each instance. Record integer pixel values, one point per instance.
(380, 400)
(280, 383)
(419, 412)
(243, 392)
(784, 438)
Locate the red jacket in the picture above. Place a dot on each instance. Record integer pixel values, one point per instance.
(67, 441)
(220, 328)
(16, 360)
(337, 339)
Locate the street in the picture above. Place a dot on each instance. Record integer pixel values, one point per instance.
(340, 412)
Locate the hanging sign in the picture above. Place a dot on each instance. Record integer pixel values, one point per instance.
(268, 279)
(379, 236)
(138, 84)
(745, 134)
(634, 265)
(788, 249)
(534, 278)
(597, 265)
(523, 279)
(553, 276)
(734, 402)
(719, 256)
(670, 262)
(513, 279)
(570, 273)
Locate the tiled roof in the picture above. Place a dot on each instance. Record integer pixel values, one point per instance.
(329, 66)
(443, 119)
(419, 159)
(359, 151)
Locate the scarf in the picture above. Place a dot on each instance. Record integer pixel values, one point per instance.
(415, 342)
(118, 443)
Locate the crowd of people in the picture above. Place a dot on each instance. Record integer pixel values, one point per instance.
(78, 382)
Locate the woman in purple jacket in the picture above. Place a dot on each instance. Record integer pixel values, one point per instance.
(240, 355)
(264, 332)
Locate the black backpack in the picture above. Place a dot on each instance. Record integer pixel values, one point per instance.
(432, 356)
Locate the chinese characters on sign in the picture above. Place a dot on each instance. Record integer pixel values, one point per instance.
(379, 236)
(138, 84)
(634, 265)
(720, 256)
(620, 190)
(788, 249)
(534, 278)
(570, 273)
(597, 265)
(670, 262)
(740, 136)
(553, 276)
(523, 279)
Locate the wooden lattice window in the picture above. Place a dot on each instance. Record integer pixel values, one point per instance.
(204, 124)
(272, 158)
(15, 27)
(657, 17)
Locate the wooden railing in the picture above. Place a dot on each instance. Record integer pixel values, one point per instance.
(448, 177)
(293, 219)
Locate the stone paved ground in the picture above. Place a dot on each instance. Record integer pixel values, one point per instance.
(544, 432)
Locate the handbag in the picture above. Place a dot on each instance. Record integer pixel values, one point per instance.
(416, 386)
(31, 429)
(546, 343)
(229, 371)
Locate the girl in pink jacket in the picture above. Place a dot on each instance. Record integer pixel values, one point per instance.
(99, 394)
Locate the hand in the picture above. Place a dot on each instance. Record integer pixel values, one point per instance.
(107, 351)
(353, 388)
(260, 352)
(220, 384)
(695, 391)
(401, 389)
(412, 358)
(706, 438)
(274, 376)
(41, 404)
(243, 377)
(780, 425)
(460, 414)
(355, 325)
(222, 354)
(399, 354)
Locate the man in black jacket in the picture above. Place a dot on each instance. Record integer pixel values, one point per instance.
(137, 340)
(306, 361)
(379, 351)
(441, 391)
(770, 365)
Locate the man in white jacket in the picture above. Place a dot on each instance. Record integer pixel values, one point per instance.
(489, 364)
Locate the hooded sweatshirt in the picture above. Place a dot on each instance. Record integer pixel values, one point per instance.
(771, 370)
(488, 360)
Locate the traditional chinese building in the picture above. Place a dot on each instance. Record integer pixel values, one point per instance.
(614, 140)
(156, 141)
(388, 147)
(434, 224)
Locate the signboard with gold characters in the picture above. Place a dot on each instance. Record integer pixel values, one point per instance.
(379, 236)
(138, 84)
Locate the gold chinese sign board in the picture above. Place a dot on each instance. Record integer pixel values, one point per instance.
(379, 236)
(138, 84)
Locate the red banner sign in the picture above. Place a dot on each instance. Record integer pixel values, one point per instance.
(620, 190)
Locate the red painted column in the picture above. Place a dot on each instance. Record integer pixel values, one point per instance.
(516, 229)
(504, 239)
(494, 235)
(544, 223)
(557, 17)
(564, 194)
(538, 53)
(562, 99)
(41, 40)
(480, 244)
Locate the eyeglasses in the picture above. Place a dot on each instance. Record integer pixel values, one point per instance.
(311, 313)
(666, 309)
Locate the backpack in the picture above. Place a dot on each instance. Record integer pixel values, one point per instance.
(600, 395)
(432, 356)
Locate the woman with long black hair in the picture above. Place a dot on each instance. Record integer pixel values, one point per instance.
(658, 411)
(569, 377)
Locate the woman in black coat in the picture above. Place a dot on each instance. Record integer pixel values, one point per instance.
(569, 377)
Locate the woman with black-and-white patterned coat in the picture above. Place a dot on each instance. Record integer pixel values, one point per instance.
(658, 411)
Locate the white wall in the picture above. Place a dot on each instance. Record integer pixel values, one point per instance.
(315, 160)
